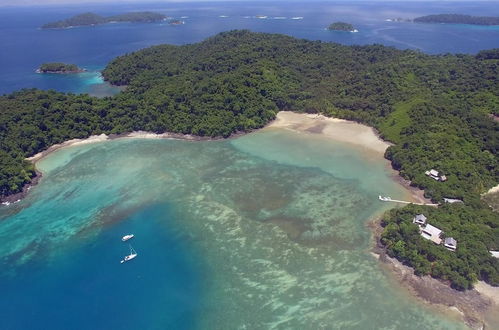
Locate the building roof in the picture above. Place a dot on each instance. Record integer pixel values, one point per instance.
(450, 241)
(452, 200)
(431, 230)
(433, 172)
(420, 217)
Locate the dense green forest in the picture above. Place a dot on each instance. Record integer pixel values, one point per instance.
(436, 109)
(58, 67)
(458, 19)
(341, 26)
(93, 19)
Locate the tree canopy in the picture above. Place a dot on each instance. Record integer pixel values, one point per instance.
(458, 19)
(94, 19)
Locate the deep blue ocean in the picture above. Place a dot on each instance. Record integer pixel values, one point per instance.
(67, 275)
(25, 47)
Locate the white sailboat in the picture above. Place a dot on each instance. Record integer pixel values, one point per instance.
(131, 256)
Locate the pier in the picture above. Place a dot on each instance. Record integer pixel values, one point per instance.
(389, 199)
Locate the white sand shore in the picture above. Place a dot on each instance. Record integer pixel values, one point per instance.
(104, 137)
(74, 142)
(337, 129)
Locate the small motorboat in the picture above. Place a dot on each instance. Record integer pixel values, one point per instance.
(127, 237)
(131, 256)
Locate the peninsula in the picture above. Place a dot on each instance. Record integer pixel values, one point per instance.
(59, 67)
(341, 26)
(434, 109)
(458, 19)
(89, 19)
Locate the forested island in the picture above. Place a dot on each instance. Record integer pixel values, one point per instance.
(435, 109)
(341, 26)
(59, 67)
(86, 19)
(458, 19)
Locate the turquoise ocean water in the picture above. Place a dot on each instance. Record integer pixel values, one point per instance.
(266, 231)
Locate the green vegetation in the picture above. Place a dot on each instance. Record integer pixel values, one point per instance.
(94, 19)
(145, 16)
(58, 67)
(435, 108)
(341, 26)
(474, 229)
(458, 19)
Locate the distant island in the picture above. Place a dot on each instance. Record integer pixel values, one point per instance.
(86, 19)
(59, 67)
(458, 19)
(341, 26)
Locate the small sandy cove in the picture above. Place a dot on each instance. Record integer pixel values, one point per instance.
(337, 129)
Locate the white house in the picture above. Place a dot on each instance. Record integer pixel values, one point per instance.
(419, 219)
(450, 243)
(432, 233)
(434, 174)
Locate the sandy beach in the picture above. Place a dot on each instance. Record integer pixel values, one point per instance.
(104, 137)
(337, 129)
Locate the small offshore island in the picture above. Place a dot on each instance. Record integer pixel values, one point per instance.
(458, 19)
(59, 67)
(342, 26)
(89, 19)
(408, 96)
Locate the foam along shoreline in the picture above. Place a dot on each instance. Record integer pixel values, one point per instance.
(104, 137)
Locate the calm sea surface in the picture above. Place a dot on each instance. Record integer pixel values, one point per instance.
(266, 231)
(25, 47)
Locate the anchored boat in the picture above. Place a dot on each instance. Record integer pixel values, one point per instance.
(131, 256)
(127, 237)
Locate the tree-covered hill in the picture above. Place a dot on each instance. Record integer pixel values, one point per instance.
(94, 19)
(59, 67)
(434, 108)
(341, 26)
(458, 19)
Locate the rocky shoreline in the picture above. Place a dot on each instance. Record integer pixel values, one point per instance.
(14, 198)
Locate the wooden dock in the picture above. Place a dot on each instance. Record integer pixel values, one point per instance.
(389, 199)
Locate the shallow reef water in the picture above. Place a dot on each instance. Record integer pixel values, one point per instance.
(265, 231)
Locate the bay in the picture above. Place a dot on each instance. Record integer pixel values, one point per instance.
(264, 231)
